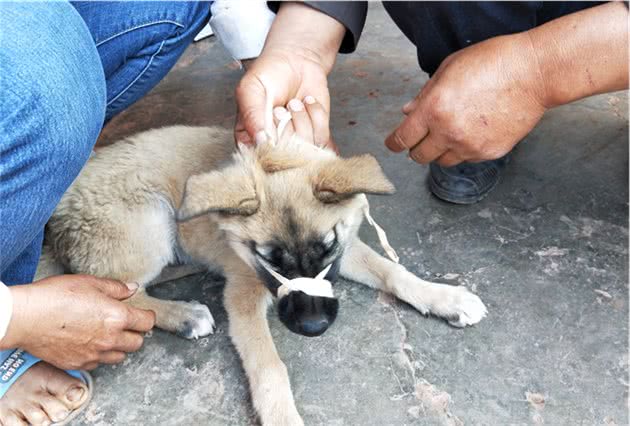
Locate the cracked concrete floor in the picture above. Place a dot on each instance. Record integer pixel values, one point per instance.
(547, 252)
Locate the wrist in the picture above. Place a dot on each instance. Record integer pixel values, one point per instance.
(537, 69)
(581, 54)
(15, 334)
(308, 33)
(547, 67)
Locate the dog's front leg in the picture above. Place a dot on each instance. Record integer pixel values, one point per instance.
(454, 303)
(246, 302)
(190, 320)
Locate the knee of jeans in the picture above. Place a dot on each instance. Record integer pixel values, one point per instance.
(66, 114)
(54, 89)
(193, 16)
(199, 15)
(76, 142)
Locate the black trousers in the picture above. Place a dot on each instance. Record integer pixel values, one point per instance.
(438, 29)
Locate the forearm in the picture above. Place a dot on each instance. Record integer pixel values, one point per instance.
(582, 54)
(308, 32)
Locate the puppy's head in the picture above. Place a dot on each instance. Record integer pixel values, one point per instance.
(293, 208)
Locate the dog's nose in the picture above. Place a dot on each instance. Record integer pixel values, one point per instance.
(314, 326)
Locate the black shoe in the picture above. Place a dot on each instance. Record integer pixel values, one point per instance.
(466, 183)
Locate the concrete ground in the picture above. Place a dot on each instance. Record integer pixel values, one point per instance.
(547, 252)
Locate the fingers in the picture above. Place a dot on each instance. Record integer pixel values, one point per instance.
(428, 150)
(113, 288)
(112, 357)
(283, 122)
(309, 120)
(251, 98)
(320, 121)
(140, 320)
(301, 120)
(240, 134)
(410, 106)
(90, 366)
(128, 341)
(449, 159)
(411, 131)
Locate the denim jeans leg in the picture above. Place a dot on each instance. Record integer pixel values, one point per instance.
(52, 107)
(139, 42)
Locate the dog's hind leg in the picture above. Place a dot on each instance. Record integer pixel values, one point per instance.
(246, 302)
(454, 303)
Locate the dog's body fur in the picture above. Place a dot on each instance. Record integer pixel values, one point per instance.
(119, 220)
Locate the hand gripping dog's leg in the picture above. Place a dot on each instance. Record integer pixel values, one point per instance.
(190, 320)
(455, 303)
(246, 302)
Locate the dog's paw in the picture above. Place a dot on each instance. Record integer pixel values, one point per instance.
(285, 417)
(460, 307)
(194, 320)
(456, 304)
(273, 399)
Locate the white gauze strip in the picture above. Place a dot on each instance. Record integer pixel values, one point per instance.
(6, 309)
(274, 133)
(317, 286)
(283, 124)
(382, 235)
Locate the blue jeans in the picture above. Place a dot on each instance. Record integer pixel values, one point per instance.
(65, 69)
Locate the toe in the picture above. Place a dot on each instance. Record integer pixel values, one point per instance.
(42, 395)
(69, 390)
(471, 310)
(197, 321)
(54, 408)
(75, 395)
(10, 418)
(35, 416)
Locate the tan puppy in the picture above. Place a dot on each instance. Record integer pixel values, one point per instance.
(182, 195)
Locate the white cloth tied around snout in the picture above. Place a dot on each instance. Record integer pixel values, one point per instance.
(318, 286)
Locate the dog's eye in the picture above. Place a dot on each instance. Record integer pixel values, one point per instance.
(265, 251)
(330, 239)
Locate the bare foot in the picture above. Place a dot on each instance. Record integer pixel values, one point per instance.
(41, 396)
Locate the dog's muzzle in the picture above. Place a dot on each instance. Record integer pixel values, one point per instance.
(307, 315)
(306, 306)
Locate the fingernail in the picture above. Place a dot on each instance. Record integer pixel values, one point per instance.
(280, 112)
(296, 105)
(309, 100)
(408, 105)
(132, 286)
(261, 137)
(75, 394)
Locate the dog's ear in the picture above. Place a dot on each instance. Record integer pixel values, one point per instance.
(342, 178)
(229, 191)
